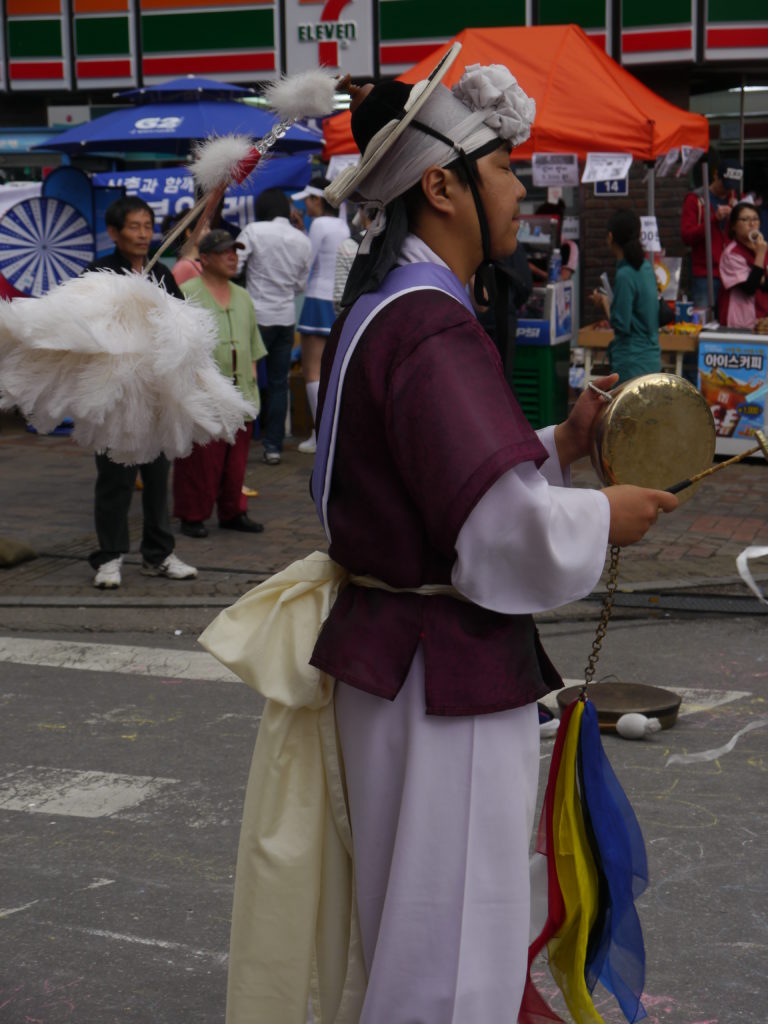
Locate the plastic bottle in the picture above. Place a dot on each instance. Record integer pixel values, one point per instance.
(554, 266)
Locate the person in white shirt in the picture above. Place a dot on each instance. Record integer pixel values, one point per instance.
(345, 255)
(276, 257)
(326, 234)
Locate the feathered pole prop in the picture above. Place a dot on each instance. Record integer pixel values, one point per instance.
(129, 363)
(230, 159)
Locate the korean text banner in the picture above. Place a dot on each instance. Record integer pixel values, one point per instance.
(170, 191)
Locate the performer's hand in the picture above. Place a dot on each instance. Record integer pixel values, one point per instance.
(634, 510)
(572, 436)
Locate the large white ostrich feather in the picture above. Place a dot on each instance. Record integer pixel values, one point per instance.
(306, 94)
(217, 159)
(129, 363)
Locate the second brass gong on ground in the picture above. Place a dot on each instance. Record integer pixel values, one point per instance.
(658, 429)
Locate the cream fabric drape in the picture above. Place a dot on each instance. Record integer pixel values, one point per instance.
(294, 916)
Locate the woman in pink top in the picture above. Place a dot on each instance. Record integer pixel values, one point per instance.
(744, 291)
(187, 265)
(186, 268)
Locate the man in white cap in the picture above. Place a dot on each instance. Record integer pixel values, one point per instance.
(454, 519)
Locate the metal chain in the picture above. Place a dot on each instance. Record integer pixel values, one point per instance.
(605, 615)
(273, 135)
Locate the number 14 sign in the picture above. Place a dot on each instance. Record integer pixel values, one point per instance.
(612, 187)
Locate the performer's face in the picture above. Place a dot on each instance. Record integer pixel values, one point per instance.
(501, 192)
(134, 237)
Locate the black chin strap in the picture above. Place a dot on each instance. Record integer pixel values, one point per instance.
(485, 283)
(492, 282)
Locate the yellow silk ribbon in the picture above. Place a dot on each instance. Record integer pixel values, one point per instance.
(577, 875)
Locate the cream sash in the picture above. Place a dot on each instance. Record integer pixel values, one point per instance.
(294, 920)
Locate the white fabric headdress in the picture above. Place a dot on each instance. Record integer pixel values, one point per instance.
(487, 103)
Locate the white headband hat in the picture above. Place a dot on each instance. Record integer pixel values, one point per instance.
(485, 105)
(308, 190)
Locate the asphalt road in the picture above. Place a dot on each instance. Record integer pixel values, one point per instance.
(123, 759)
(120, 801)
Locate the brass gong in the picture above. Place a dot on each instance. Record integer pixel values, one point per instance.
(656, 430)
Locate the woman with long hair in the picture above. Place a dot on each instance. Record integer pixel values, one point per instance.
(744, 288)
(633, 310)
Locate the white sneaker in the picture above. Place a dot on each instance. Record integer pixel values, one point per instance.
(172, 567)
(309, 447)
(108, 575)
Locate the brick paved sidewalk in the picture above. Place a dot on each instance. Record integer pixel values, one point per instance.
(47, 495)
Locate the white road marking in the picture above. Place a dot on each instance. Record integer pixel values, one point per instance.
(705, 700)
(43, 790)
(100, 933)
(138, 661)
(98, 883)
(8, 911)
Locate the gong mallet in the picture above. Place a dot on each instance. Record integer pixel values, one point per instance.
(761, 446)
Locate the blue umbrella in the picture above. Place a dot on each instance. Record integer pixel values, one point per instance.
(175, 127)
(188, 86)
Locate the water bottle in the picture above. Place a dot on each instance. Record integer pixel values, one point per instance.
(554, 266)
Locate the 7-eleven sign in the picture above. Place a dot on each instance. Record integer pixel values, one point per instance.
(337, 34)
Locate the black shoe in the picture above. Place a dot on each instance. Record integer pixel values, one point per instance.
(193, 529)
(242, 523)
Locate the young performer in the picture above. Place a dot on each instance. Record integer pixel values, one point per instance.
(455, 521)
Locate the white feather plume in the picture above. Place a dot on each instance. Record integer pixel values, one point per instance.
(217, 158)
(307, 94)
(129, 363)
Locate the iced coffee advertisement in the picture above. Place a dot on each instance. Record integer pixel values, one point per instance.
(733, 377)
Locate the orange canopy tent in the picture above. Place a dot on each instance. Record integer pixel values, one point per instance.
(585, 101)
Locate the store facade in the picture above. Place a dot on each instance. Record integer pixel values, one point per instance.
(88, 45)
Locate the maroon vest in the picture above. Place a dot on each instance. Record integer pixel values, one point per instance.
(427, 424)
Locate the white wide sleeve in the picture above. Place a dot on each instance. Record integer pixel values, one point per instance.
(531, 544)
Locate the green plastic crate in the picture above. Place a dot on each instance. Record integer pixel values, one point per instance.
(541, 382)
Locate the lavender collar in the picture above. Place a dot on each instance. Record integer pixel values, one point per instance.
(401, 280)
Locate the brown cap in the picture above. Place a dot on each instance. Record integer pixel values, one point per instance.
(218, 240)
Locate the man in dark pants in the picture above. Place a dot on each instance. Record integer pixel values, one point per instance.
(130, 223)
(276, 257)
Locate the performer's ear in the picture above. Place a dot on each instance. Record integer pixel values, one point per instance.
(437, 190)
(113, 233)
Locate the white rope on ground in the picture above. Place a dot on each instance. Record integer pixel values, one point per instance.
(712, 755)
(742, 564)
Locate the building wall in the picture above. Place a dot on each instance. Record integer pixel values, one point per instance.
(86, 45)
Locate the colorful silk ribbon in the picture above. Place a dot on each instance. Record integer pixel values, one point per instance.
(596, 868)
